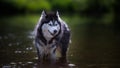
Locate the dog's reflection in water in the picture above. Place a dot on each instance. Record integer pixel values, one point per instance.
(60, 63)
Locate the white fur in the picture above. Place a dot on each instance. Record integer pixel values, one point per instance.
(48, 30)
(48, 33)
(46, 50)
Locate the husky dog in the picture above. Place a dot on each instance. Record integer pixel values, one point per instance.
(51, 33)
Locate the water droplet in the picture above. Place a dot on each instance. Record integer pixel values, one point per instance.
(23, 64)
(71, 65)
(34, 67)
(27, 48)
(30, 62)
(30, 48)
(35, 64)
(19, 62)
(31, 35)
(36, 58)
(13, 63)
(17, 51)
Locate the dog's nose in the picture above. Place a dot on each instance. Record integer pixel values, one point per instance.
(55, 31)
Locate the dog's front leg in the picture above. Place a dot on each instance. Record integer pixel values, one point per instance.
(53, 54)
(39, 51)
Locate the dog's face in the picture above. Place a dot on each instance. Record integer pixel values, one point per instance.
(50, 25)
(51, 28)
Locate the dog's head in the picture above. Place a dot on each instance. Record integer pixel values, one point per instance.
(50, 24)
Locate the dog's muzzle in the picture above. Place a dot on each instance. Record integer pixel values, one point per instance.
(54, 32)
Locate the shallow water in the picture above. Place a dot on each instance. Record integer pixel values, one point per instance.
(93, 46)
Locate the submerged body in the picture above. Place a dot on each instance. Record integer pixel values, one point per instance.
(51, 33)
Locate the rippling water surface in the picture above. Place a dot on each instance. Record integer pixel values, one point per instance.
(93, 46)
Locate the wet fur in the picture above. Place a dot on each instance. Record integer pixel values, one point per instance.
(60, 41)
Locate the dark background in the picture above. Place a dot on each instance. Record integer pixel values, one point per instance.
(95, 28)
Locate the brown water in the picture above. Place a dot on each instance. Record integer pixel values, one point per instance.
(93, 46)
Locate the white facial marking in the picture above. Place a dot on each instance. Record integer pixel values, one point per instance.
(50, 29)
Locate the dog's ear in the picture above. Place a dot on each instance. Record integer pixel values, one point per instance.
(57, 13)
(43, 14)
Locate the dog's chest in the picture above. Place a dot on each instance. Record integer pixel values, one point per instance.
(48, 48)
(45, 33)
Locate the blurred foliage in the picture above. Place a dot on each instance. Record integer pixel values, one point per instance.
(66, 5)
(29, 5)
(100, 11)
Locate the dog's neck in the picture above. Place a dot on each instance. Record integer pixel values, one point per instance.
(47, 36)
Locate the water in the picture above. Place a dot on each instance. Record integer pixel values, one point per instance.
(93, 46)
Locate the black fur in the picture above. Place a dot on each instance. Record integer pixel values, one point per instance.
(61, 41)
(50, 17)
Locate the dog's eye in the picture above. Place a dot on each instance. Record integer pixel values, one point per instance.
(55, 24)
(50, 24)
